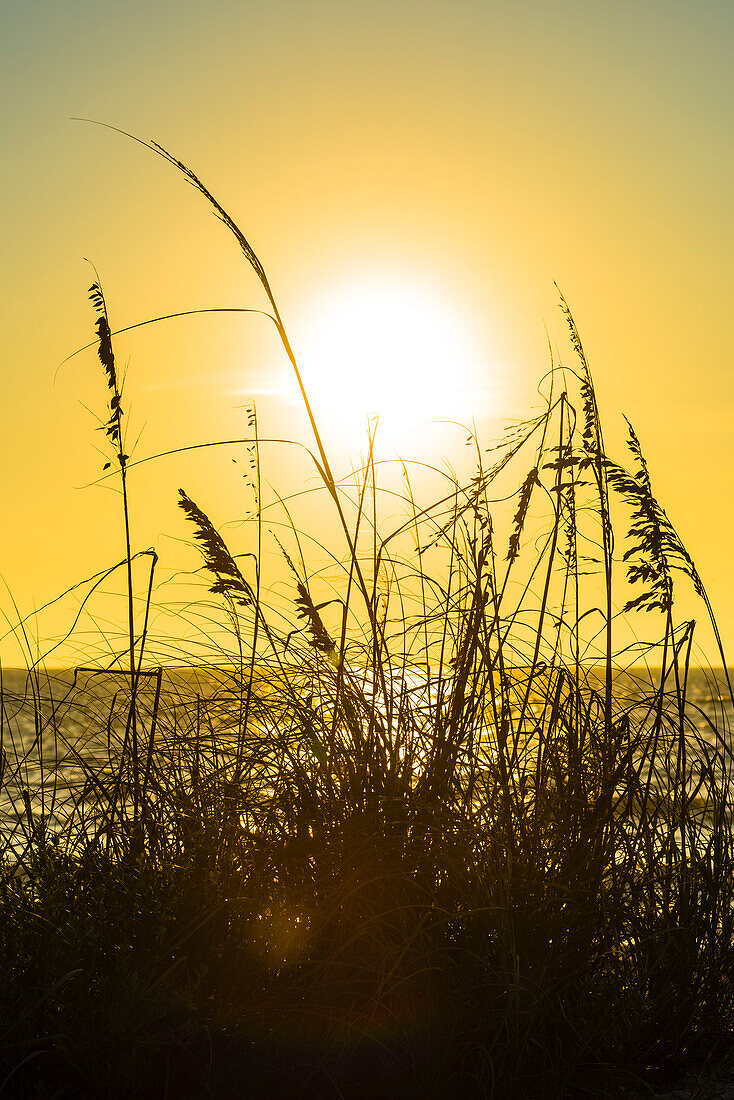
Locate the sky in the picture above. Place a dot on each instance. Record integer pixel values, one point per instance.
(463, 157)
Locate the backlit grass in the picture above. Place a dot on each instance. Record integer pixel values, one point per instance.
(422, 837)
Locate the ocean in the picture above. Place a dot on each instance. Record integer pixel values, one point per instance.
(59, 730)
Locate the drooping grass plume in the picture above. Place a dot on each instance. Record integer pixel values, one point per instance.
(656, 547)
(217, 558)
(107, 359)
(526, 492)
(307, 610)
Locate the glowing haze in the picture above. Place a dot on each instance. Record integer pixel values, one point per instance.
(387, 346)
(414, 176)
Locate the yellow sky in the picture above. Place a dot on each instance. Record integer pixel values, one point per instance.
(477, 150)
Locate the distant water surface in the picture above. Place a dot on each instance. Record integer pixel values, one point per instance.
(56, 727)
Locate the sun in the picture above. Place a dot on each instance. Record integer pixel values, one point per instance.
(392, 348)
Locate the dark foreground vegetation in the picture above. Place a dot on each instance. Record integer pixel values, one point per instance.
(424, 839)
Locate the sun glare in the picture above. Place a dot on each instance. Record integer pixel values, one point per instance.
(391, 348)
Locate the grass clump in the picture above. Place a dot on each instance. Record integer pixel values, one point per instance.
(444, 847)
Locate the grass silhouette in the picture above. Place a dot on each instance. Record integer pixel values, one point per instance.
(445, 849)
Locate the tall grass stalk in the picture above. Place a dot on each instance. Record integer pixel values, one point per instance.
(114, 432)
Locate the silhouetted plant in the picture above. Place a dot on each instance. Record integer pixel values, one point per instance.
(217, 558)
(437, 853)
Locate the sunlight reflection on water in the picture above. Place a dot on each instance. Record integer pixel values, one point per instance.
(55, 734)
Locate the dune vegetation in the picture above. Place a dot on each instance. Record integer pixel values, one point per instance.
(435, 835)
